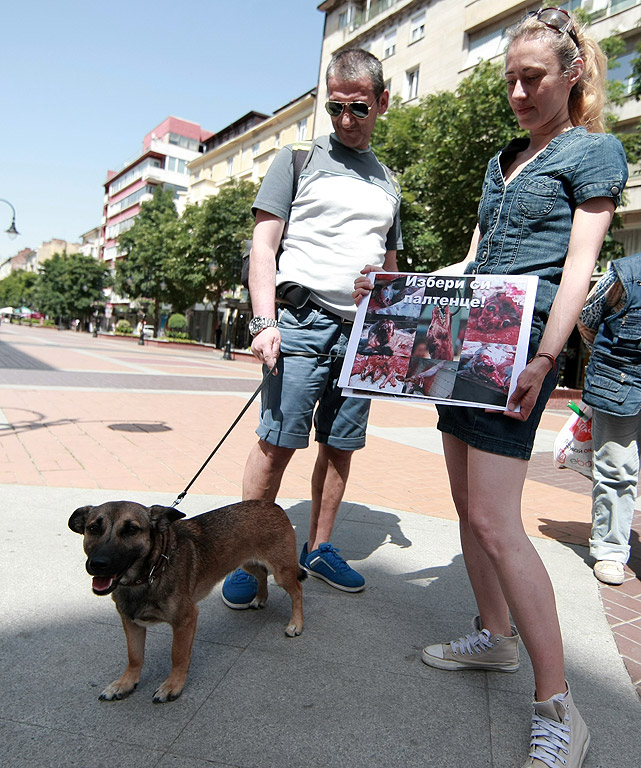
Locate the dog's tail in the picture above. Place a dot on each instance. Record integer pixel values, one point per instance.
(302, 575)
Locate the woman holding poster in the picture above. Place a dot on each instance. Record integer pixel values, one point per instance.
(547, 202)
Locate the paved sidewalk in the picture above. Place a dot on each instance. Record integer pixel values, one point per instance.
(87, 420)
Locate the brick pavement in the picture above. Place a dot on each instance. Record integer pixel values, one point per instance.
(104, 413)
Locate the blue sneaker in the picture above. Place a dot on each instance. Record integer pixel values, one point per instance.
(239, 590)
(325, 563)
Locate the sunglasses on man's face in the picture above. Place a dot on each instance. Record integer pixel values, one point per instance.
(357, 108)
(558, 20)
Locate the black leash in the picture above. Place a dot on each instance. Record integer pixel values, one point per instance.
(182, 495)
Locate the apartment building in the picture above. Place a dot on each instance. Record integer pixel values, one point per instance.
(46, 250)
(430, 45)
(166, 153)
(26, 259)
(246, 148)
(90, 243)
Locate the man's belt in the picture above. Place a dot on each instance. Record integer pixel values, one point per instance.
(292, 295)
(297, 296)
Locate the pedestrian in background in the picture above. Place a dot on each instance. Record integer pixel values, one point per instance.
(610, 324)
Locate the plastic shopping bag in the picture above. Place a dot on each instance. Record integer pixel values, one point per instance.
(573, 444)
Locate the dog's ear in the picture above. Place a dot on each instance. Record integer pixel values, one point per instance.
(77, 520)
(162, 517)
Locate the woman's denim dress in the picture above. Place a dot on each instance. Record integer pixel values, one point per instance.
(525, 229)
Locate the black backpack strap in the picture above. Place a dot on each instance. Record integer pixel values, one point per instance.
(301, 155)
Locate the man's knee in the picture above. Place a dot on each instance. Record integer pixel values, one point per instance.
(274, 456)
(336, 456)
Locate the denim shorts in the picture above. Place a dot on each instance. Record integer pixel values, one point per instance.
(306, 390)
(492, 431)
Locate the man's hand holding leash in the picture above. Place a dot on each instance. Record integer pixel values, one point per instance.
(266, 347)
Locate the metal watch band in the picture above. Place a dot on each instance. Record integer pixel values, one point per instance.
(258, 324)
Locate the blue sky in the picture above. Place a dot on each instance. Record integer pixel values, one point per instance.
(83, 82)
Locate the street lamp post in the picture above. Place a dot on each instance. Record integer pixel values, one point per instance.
(12, 231)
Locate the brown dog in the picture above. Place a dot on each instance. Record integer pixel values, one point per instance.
(157, 569)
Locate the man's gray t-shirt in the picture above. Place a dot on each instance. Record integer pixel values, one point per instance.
(345, 215)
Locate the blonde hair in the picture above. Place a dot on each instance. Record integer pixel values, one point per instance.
(587, 97)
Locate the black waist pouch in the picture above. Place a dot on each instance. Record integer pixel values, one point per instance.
(292, 295)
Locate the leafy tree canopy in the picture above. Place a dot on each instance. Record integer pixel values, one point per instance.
(17, 288)
(217, 230)
(213, 236)
(70, 285)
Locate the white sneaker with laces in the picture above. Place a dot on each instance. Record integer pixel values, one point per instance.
(480, 650)
(560, 738)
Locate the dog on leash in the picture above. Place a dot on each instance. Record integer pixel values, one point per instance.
(157, 567)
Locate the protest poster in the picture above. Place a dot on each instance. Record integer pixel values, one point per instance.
(460, 340)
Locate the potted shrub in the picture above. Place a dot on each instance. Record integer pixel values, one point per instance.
(177, 327)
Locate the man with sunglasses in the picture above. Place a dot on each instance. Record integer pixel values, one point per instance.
(342, 217)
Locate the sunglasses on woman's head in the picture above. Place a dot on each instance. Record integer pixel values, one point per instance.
(358, 108)
(556, 19)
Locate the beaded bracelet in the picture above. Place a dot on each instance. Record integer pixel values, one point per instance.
(549, 357)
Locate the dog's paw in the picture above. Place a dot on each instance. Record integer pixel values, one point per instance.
(165, 694)
(258, 603)
(116, 691)
(293, 630)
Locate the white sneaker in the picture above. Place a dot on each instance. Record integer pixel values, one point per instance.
(480, 650)
(560, 738)
(609, 571)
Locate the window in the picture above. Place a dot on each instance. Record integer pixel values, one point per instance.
(183, 141)
(230, 166)
(255, 149)
(389, 44)
(412, 83)
(388, 86)
(485, 46)
(346, 17)
(301, 130)
(622, 71)
(417, 28)
(277, 140)
(127, 202)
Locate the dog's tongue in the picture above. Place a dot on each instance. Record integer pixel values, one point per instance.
(101, 583)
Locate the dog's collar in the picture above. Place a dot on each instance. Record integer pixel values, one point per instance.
(157, 568)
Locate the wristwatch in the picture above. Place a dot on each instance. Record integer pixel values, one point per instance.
(258, 324)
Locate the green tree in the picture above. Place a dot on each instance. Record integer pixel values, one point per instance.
(50, 293)
(87, 279)
(149, 248)
(213, 239)
(17, 288)
(70, 285)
